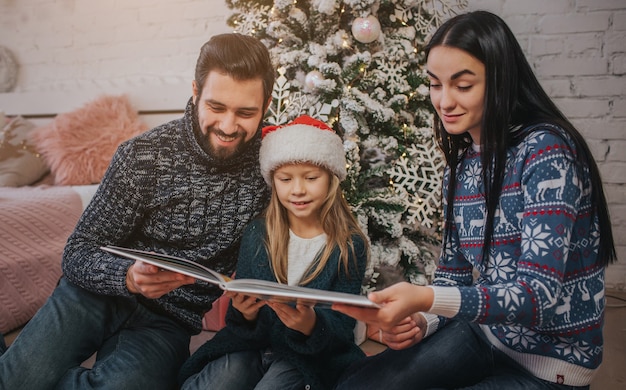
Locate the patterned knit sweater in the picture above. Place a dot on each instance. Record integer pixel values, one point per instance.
(162, 192)
(320, 357)
(540, 295)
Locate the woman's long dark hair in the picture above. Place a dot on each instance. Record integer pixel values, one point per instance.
(513, 98)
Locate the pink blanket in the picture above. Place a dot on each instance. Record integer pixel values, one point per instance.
(35, 223)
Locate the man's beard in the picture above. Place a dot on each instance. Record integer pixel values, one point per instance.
(219, 153)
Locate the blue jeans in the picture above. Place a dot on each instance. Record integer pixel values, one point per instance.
(456, 357)
(259, 370)
(136, 348)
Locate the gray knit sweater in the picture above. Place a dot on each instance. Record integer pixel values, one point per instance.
(163, 193)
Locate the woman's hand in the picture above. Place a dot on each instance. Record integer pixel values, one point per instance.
(406, 333)
(301, 318)
(397, 303)
(153, 282)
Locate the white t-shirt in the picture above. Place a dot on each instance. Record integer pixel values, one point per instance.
(302, 252)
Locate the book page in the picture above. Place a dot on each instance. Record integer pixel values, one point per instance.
(272, 291)
(171, 263)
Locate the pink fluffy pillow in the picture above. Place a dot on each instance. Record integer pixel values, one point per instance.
(78, 145)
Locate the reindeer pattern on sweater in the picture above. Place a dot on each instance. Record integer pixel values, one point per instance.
(540, 294)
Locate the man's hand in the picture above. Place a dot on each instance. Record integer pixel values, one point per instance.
(153, 282)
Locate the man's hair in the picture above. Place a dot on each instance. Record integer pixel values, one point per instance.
(239, 56)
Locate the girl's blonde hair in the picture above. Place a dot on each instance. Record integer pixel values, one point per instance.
(338, 223)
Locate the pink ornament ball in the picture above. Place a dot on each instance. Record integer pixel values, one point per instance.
(313, 79)
(366, 30)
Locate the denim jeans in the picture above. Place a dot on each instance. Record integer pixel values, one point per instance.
(136, 348)
(259, 370)
(456, 357)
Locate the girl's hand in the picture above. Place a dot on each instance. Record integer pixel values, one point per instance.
(301, 318)
(247, 305)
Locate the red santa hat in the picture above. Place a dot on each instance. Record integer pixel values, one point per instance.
(304, 140)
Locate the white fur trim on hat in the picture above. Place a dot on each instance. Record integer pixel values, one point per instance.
(298, 143)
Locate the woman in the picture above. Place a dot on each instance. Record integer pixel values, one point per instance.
(518, 297)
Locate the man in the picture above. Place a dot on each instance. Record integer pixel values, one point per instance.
(187, 188)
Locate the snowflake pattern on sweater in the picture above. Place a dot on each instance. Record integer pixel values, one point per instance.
(540, 294)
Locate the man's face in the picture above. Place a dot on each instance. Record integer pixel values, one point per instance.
(229, 112)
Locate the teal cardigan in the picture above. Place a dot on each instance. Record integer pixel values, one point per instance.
(320, 357)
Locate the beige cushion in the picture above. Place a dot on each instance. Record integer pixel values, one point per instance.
(20, 164)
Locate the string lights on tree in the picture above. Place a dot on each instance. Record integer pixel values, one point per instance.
(358, 65)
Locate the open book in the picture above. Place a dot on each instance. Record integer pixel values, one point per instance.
(261, 289)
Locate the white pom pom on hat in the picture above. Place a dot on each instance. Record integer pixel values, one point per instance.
(305, 139)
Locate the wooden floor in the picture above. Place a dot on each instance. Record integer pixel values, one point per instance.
(612, 373)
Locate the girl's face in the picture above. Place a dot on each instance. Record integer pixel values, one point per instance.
(457, 89)
(302, 189)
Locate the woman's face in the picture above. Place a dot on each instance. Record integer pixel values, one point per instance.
(457, 89)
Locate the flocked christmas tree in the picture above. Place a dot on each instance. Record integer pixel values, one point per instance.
(357, 65)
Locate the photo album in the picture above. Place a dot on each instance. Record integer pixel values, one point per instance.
(261, 289)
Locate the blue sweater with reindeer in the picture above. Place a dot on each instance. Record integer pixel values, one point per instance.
(539, 296)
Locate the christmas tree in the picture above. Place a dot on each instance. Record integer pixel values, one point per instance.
(357, 65)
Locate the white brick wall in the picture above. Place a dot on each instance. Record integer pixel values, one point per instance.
(578, 49)
(66, 45)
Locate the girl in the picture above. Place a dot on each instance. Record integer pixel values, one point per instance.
(308, 237)
(524, 211)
